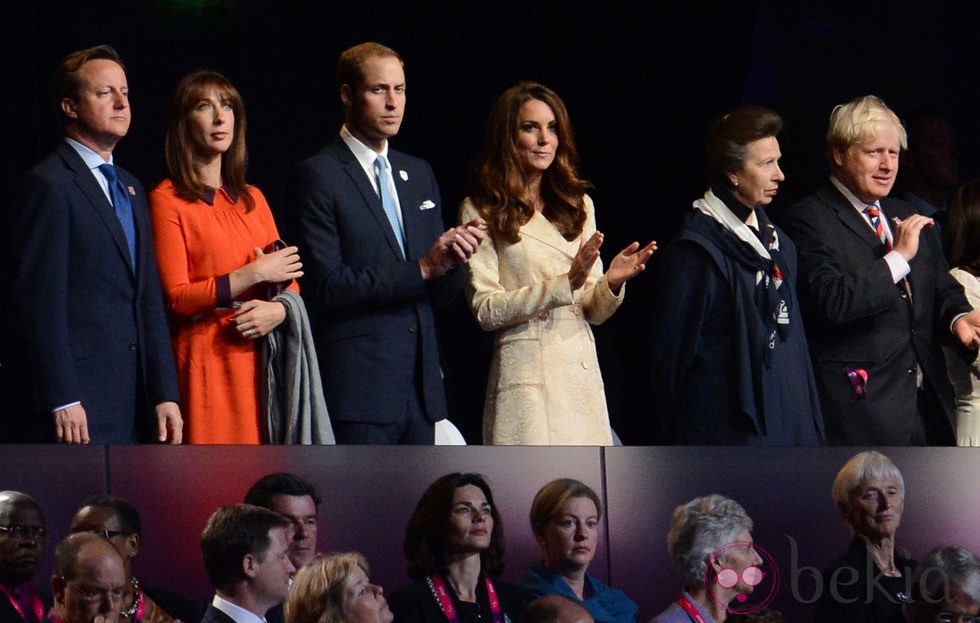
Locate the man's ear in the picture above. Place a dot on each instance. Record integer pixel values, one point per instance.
(837, 156)
(58, 585)
(345, 95)
(132, 545)
(69, 108)
(249, 565)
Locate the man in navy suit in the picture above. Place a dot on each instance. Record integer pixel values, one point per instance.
(377, 260)
(878, 300)
(89, 306)
(246, 555)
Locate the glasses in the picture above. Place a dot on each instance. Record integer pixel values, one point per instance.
(957, 617)
(93, 594)
(22, 533)
(108, 534)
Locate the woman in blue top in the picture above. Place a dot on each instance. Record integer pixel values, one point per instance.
(565, 518)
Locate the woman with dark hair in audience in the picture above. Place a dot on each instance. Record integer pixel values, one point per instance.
(729, 358)
(565, 517)
(962, 232)
(454, 544)
(870, 582)
(210, 228)
(710, 544)
(537, 282)
(336, 589)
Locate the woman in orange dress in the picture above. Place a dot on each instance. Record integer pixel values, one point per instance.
(210, 229)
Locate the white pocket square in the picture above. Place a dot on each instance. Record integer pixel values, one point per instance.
(427, 205)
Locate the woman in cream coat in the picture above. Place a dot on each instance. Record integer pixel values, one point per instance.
(539, 283)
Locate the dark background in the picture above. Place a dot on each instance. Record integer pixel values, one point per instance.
(641, 81)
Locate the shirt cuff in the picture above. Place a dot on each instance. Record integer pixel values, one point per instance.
(222, 286)
(78, 402)
(899, 268)
(953, 323)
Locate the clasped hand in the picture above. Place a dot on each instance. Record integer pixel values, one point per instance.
(456, 246)
(278, 266)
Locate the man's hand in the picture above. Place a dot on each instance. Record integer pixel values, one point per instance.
(967, 329)
(907, 234)
(455, 246)
(71, 425)
(170, 426)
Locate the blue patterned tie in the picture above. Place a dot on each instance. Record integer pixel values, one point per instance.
(123, 206)
(387, 201)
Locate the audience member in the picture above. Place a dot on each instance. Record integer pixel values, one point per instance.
(870, 581)
(565, 518)
(709, 540)
(297, 500)
(963, 253)
(729, 358)
(878, 300)
(538, 282)
(246, 555)
(454, 544)
(88, 301)
(555, 608)
(336, 589)
(23, 533)
(376, 261)
(88, 581)
(930, 165)
(946, 587)
(119, 522)
(223, 278)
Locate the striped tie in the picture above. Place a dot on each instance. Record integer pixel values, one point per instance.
(874, 215)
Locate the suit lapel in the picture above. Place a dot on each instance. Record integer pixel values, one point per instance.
(371, 199)
(852, 219)
(90, 189)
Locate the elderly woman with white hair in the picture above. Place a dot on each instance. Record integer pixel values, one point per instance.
(869, 583)
(710, 544)
(336, 589)
(946, 587)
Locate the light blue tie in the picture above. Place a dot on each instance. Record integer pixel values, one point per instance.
(123, 206)
(387, 201)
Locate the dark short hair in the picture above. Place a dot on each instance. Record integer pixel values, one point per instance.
(129, 517)
(68, 78)
(269, 486)
(67, 552)
(351, 62)
(232, 533)
(728, 135)
(427, 528)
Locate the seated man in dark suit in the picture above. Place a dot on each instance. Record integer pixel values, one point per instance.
(368, 221)
(22, 535)
(297, 500)
(878, 300)
(119, 522)
(90, 318)
(88, 580)
(246, 555)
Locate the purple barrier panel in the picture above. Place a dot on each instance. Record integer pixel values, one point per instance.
(59, 478)
(368, 496)
(787, 493)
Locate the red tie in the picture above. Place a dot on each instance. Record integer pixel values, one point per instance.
(874, 215)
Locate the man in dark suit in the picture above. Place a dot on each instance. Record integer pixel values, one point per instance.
(88, 580)
(22, 536)
(246, 555)
(878, 300)
(89, 306)
(369, 223)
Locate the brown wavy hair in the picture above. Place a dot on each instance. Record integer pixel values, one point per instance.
(179, 149)
(962, 229)
(499, 189)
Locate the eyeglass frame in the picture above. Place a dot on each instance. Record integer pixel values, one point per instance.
(21, 533)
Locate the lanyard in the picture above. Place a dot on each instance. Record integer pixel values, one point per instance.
(690, 609)
(36, 604)
(439, 589)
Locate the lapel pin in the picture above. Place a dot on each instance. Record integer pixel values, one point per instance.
(402, 174)
(427, 205)
(132, 191)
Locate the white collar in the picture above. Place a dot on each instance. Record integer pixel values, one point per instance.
(236, 612)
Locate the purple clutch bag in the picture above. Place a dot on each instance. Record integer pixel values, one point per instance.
(268, 291)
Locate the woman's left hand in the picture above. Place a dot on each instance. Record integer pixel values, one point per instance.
(256, 319)
(630, 262)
